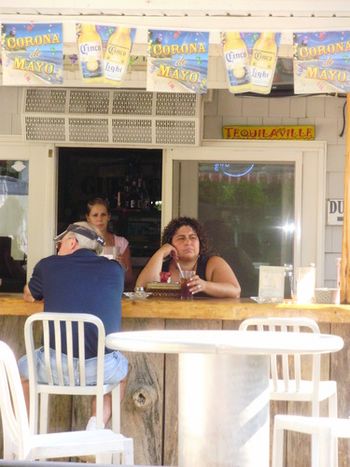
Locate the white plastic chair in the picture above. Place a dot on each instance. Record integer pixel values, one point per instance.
(21, 444)
(286, 383)
(325, 433)
(39, 393)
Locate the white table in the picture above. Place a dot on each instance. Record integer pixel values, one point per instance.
(223, 388)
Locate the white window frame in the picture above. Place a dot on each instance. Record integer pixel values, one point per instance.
(310, 185)
(41, 194)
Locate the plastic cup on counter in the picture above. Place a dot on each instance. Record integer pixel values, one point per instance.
(111, 252)
(184, 280)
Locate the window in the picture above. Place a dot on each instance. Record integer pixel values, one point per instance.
(13, 226)
(267, 197)
(248, 213)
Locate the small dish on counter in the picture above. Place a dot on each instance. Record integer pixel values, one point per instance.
(140, 295)
(267, 300)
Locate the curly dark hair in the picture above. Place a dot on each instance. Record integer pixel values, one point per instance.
(170, 230)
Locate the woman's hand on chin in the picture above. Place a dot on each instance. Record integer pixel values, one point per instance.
(168, 250)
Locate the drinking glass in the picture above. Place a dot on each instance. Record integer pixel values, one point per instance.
(289, 281)
(111, 252)
(184, 280)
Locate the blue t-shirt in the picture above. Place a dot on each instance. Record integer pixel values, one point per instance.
(81, 282)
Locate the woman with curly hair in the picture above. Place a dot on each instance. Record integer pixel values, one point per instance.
(185, 242)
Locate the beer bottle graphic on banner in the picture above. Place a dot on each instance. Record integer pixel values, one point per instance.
(90, 52)
(263, 63)
(116, 59)
(237, 62)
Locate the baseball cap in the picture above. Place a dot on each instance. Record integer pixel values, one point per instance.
(82, 228)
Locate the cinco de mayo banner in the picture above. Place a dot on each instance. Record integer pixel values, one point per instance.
(177, 61)
(32, 54)
(104, 52)
(250, 59)
(321, 62)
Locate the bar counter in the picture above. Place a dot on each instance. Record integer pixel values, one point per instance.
(198, 308)
(149, 408)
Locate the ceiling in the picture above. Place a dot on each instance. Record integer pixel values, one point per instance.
(180, 8)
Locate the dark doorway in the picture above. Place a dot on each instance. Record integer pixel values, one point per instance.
(131, 181)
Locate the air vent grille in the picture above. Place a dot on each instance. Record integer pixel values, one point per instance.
(98, 130)
(136, 131)
(104, 116)
(45, 100)
(176, 104)
(132, 103)
(85, 102)
(179, 132)
(45, 129)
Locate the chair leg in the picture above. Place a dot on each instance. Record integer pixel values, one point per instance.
(99, 411)
(34, 409)
(325, 449)
(43, 412)
(314, 437)
(333, 406)
(104, 458)
(333, 413)
(116, 409)
(9, 450)
(277, 447)
(128, 451)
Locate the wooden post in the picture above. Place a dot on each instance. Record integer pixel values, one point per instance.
(345, 258)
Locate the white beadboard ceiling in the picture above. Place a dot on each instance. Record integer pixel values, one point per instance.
(192, 8)
(177, 8)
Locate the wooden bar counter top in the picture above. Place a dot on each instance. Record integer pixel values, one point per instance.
(198, 308)
(149, 408)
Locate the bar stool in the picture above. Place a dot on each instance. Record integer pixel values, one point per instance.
(325, 432)
(287, 382)
(61, 324)
(21, 444)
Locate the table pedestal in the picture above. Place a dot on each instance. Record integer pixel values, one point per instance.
(223, 410)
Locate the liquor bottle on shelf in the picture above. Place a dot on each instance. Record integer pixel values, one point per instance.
(134, 195)
(126, 194)
(139, 191)
(145, 197)
(119, 199)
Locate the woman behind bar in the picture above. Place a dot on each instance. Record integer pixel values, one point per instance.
(185, 242)
(98, 214)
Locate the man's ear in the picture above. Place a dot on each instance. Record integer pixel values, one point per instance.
(74, 244)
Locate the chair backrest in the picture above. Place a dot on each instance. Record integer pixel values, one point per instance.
(289, 367)
(61, 325)
(15, 423)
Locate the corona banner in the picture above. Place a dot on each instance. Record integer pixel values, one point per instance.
(321, 62)
(32, 54)
(250, 59)
(177, 61)
(104, 52)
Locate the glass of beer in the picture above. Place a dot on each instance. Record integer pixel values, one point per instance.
(184, 280)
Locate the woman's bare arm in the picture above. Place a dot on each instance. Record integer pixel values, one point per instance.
(151, 271)
(220, 281)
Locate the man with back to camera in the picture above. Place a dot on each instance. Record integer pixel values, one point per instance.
(77, 280)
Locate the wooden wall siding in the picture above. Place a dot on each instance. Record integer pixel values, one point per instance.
(345, 257)
(149, 409)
